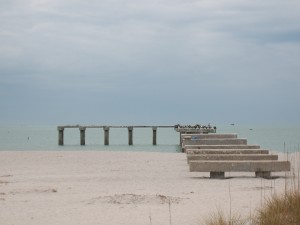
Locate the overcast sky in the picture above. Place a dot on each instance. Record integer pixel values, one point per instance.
(149, 61)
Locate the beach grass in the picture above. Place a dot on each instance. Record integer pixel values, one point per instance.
(278, 209)
(220, 219)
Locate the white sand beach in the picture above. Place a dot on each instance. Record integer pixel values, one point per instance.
(114, 188)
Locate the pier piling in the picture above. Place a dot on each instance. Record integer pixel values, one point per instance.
(154, 129)
(82, 135)
(106, 135)
(197, 129)
(60, 135)
(130, 135)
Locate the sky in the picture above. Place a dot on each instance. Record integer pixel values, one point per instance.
(141, 62)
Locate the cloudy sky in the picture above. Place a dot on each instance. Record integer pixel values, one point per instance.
(149, 61)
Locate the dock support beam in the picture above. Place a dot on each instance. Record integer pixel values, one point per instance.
(82, 135)
(106, 135)
(154, 135)
(60, 135)
(130, 135)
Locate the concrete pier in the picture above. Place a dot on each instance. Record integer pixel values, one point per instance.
(106, 135)
(220, 153)
(130, 135)
(197, 129)
(60, 135)
(82, 135)
(154, 129)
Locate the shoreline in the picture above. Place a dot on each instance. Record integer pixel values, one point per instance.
(99, 187)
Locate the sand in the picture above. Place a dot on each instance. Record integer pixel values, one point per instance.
(114, 188)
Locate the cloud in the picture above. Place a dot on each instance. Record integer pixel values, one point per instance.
(152, 51)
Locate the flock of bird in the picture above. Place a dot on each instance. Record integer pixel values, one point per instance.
(197, 126)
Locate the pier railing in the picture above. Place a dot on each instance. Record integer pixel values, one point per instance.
(106, 129)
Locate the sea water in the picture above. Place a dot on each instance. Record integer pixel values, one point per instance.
(45, 138)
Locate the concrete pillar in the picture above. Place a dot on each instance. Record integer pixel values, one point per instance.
(154, 135)
(217, 175)
(82, 135)
(60, 135)
(263, 174)
(106, 135)
(130, 135)
(180, 141)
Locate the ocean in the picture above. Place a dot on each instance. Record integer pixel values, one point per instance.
(45, 138)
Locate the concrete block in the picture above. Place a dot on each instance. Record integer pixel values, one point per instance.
(196, 130)
(217, 175)
(239, 166)
(223, 141)
(208, 136)
(226, 151)
(221, 147)
(230, 157)
(263, 174)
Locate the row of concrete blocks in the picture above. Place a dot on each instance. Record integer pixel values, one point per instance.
(220, 153)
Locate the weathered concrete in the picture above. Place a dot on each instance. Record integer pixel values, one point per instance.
(186, 147)
(102, 126)
(60, 135)
(224, 141)
(189, 139)
(239, 166)
(220, 153)
(263, 174)
(195, 130)
(130, 135)
(230, 157)
(154, 129)
(226, 151)
(106, 135)
(82, 135)
(217, 175)
(208, 136)
(106, 132)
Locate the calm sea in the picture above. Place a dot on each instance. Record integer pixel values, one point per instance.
(43, 138)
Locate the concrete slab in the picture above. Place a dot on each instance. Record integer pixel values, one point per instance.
(239, 166)
(221, 147)
(224, 141)
(226, 151)
(208, 136)
(230, 157)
